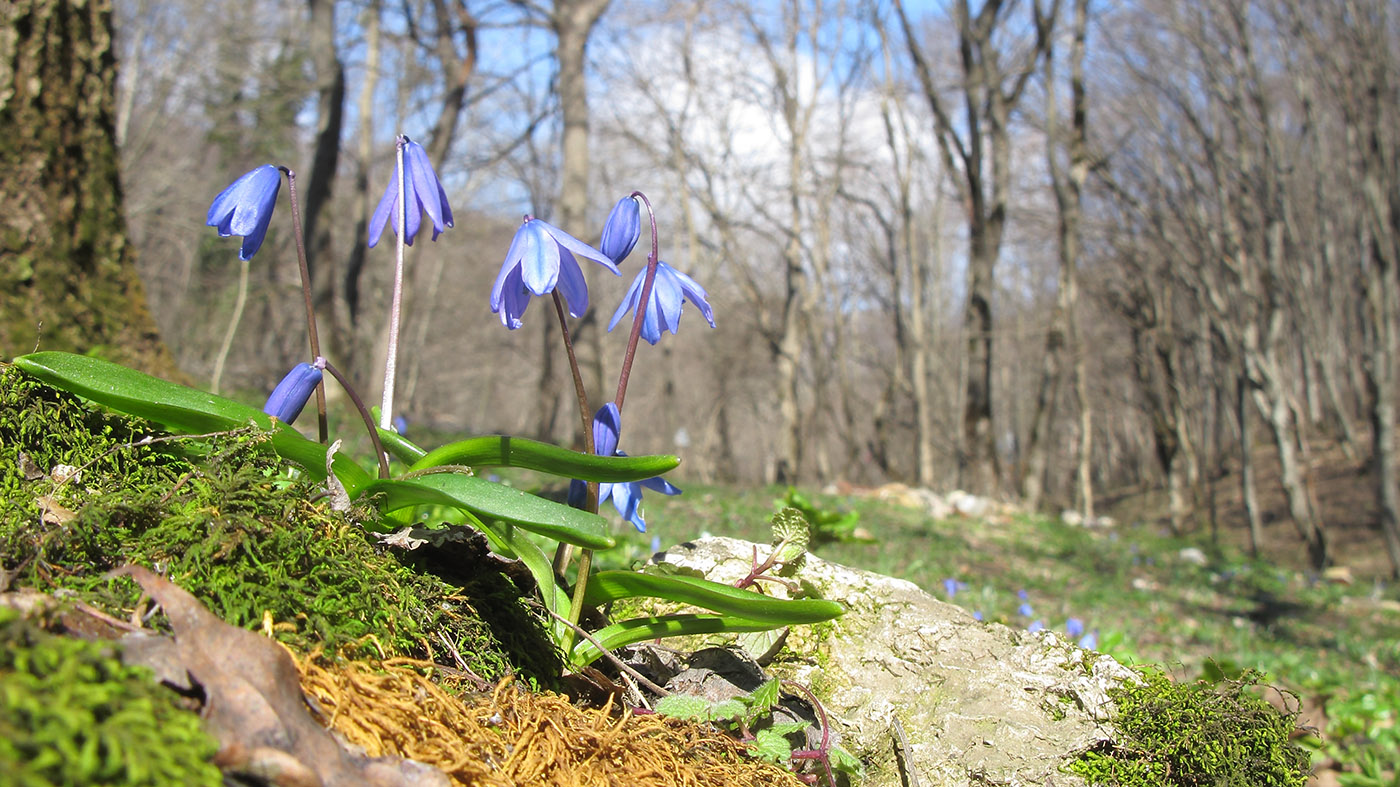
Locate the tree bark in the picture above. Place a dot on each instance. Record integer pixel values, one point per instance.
(68, 281)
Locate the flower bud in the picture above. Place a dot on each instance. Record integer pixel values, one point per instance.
(622, 229)
(291, 395)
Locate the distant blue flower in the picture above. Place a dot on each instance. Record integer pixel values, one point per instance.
(621, 230)
(245, 208)
(655, 544)
(952, 586)
(1035, 626)
(1090, 641)
(291, 395)
(626, 497)
(977, 615)
(423, 193)
(1021, 594)
(1074, 627)
(1025, 610)
(668, 291)
(541, 257)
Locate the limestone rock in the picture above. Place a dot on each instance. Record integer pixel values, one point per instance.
(978, 703)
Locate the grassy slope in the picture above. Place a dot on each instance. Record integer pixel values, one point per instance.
(1337, 647)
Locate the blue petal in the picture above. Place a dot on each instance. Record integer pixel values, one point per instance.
(572, 284)
(514, 300)
(578, 247)
(696, 295)
(386, 208)
(426, 186)
(666, 297)
(607, 426)
(539, 263)
(245, 208)
(512, 264)
(659, 484)
(629, 301)
(627, 499)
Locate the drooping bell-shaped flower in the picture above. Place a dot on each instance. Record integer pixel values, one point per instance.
(245, 208)
(291, 395)
(669, 291)
(621, 230)
(423, 193)
(542, 257)
(626, 497)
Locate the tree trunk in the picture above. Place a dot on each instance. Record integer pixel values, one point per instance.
(69, 279)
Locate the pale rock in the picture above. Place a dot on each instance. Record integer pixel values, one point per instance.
(1193, 555)
(979, 703)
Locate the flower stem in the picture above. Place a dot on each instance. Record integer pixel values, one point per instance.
(590, 504)
(306, 296)
(233, 321)
(642, 305)
(386, 408)
(364, 414)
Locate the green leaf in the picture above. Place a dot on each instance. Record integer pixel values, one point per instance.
(399, 446)
(684, 706)
(771, 746)
(728, 710)
(513, 543)
(608, 586)
(791, 533)
(789, 727)
(765, 697)
(506, 451)
(655, 627)
(181, 408)
(490, 500)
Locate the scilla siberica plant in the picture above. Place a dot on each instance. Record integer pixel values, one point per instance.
(409, 481)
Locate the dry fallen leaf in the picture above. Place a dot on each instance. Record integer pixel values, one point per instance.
(254, 705)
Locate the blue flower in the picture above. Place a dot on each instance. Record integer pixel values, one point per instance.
(1090, 641)
(1025, 610)
(621, 230)
(541, 257)
(1074, 627)
(1035, 626)
(291, 395)
(669, 290)
(952, 586)
(245, 208)
(423, 193)
(977, 614)
(626, 497)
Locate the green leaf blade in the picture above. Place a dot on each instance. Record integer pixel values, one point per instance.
(507, 451)
(489, 500)
(607, 586)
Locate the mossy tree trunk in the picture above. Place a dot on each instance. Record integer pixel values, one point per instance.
(65, 262)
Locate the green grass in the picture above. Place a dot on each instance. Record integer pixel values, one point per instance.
(1338, 647)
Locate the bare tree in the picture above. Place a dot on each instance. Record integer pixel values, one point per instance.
(976, 144)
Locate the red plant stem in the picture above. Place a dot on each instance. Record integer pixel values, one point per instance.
(321, 425)
(640, 314)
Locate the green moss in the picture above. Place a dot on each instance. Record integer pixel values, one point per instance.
(72, 713)
(221, 518)
(1190, 734)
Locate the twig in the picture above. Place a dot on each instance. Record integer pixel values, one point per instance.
(907, 774)
(607, 654)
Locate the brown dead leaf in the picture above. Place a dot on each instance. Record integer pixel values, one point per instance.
(53, 512)
(254, 705)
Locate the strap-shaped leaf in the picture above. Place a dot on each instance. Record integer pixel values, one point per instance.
(656, 627)
(511, 542)
(180, 408)
(506, 451)
(396, 444)
(606, 586)
(489, 500)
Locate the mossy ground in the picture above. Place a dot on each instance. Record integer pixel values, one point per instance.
(72, 713)
(83, 492)
(222, 518)
(1196, 733)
